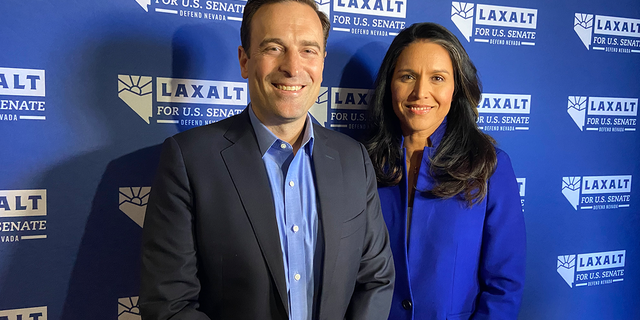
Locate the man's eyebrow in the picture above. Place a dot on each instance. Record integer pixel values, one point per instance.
(271, 40)
(278, 41)
(310, 43)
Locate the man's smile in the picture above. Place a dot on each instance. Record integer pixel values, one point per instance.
(287, 88)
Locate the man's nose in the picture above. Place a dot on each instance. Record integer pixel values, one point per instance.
(291, 63)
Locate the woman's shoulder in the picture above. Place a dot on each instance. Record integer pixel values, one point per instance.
(503, 165)
(502, 156)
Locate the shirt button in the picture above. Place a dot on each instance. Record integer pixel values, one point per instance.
(406, 304)
(283, 146)
(297, 276)
(295, 228)
(291, 184)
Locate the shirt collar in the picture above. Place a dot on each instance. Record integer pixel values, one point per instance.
(266, 138)
(435, 137)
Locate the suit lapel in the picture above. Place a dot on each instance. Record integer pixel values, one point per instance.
(329, 186)
(244, 162)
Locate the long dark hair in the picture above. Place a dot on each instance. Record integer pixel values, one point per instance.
(466, 157)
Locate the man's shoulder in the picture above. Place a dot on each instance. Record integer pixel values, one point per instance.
(337, 139)
(208, 134)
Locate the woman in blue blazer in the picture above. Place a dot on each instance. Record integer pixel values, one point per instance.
(449, 196)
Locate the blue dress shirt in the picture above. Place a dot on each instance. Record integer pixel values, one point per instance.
(294, 195)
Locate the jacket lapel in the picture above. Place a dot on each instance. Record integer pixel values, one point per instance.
(244, 162)
(329, 186)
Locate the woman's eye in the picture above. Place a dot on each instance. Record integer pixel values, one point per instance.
(406, 77)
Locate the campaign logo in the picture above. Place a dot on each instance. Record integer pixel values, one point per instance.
(136, 92)
(597, 192)
(185, 102)
(22, 93)
(603, 114)
(133, 202)
(230, 10)
(374, 18)
(343, 108)
(325, 7)
(35, 313)
(497, 25)
(606, 33)
(23, 215)
(592, 269)
(522, 183)
(128, 309)
(504, 112)
(320, 108)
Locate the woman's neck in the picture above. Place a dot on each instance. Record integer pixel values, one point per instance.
(414, 144)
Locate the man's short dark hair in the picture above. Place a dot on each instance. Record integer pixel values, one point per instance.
(252, 7)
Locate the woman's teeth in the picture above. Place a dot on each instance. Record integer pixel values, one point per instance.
(420, 108)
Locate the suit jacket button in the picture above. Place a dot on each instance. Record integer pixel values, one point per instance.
(406, 304)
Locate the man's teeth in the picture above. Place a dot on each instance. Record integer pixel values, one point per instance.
(288, 88)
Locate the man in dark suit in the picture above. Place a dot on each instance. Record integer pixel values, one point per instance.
(265, 215)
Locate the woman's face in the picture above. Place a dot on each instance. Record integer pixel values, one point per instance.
(422, 87)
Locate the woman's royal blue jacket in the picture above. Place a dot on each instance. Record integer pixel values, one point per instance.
(458, 262)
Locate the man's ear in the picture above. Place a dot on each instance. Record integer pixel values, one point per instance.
(243, 58)
(324, 59)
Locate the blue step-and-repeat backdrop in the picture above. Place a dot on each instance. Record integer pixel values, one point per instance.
(89, 89)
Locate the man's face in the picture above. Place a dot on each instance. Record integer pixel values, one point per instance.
(285, 62)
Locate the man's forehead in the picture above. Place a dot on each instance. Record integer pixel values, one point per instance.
(272, 20)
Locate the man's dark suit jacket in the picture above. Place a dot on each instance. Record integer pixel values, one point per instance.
(211, 248)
